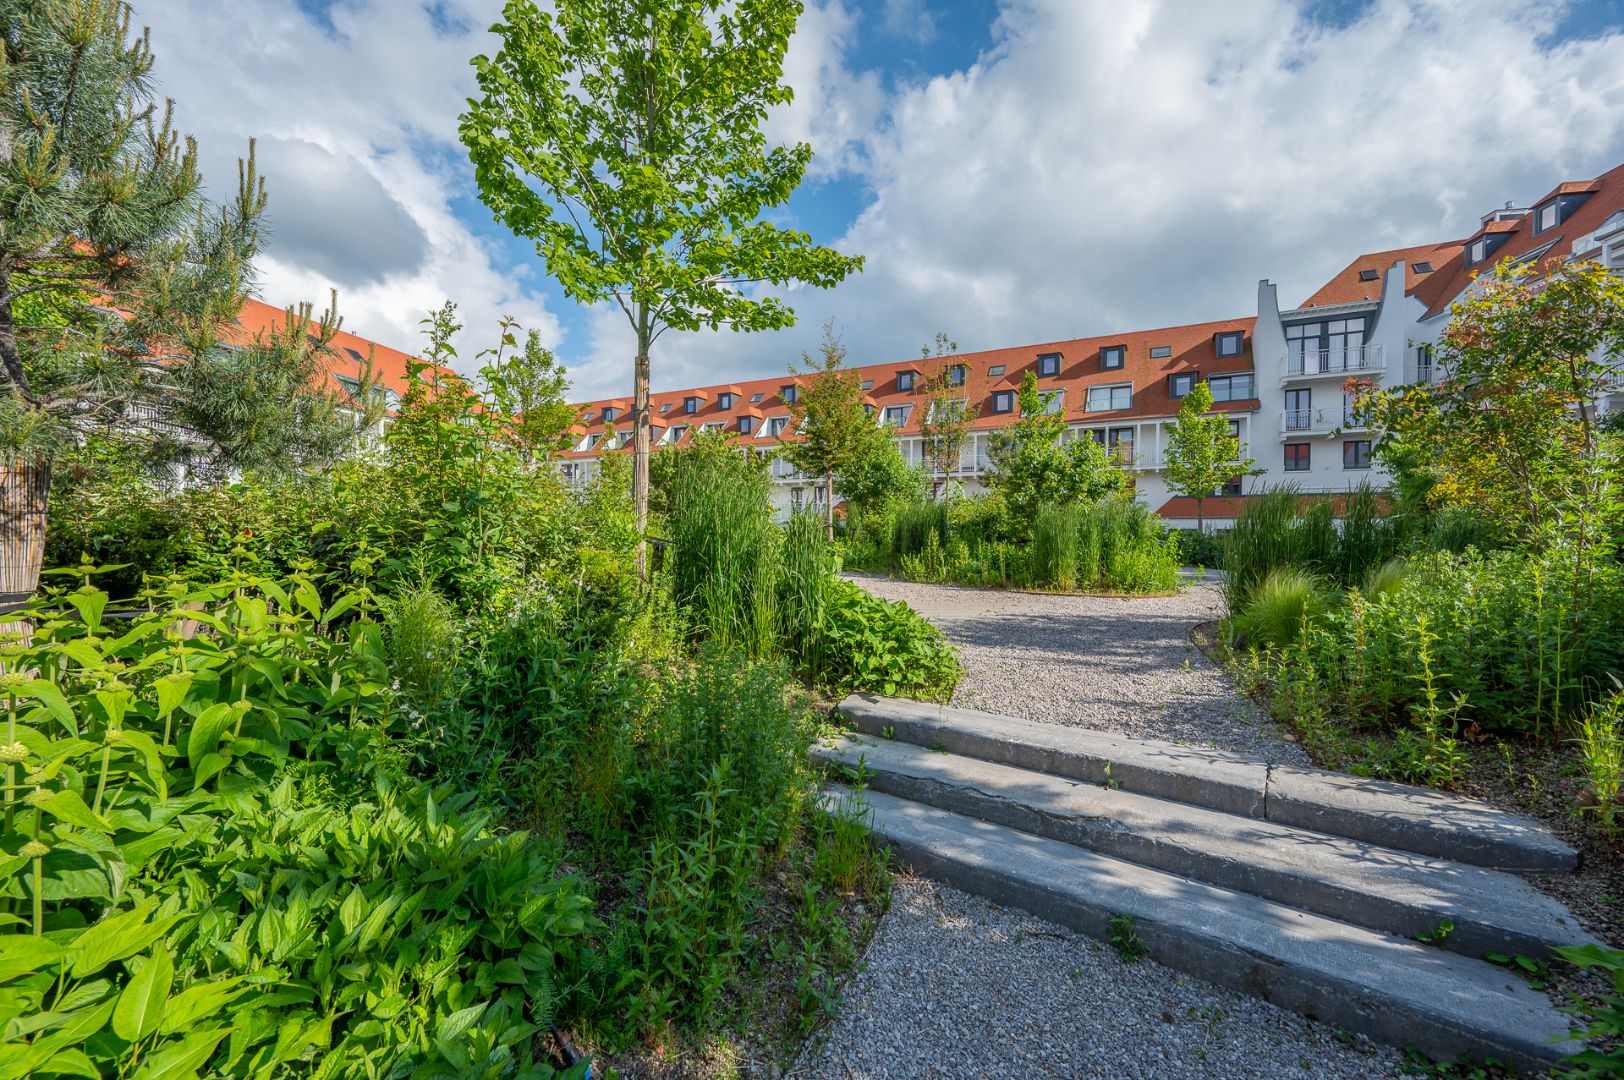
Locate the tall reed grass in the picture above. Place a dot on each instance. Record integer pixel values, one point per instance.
(1115, 544)
(913, 524)
(1055, 546)
(726, 554)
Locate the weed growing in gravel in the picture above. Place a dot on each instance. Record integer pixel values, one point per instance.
(1128, 944)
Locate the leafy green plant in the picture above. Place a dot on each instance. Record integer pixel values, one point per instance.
(884, 647)
(1601, 743)
(1127, 943)
(1605, 1020)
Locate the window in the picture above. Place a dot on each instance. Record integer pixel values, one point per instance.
(1297, 456)
(755, 398)
(867, 384)
(941, 411)
(1112, 357)
(666, 407)
(588, 443)
(1180, 384)
(1368, 275)
(1003, 401)
(1319, 347)
(1423, 267)
(746, 423)
(955, 375)
(690, 405)
(587, 419)
(790, 394)
(1230, 487)
(724, 401)
(674, 435)
(1356, 454)
(1299, 410)
(1054, 403)
(1548, 216)
(1120, 441)
(609, 415)
(797, 497)
(905, 379)
(714, 425)
(1423, 363)
(1106, 398)
(1161, 352)
(868, 409)
(1231, 387)
(1478, 251)
(1230, 342)
(995, 371)
(1048, 365)
(775, 426)
(896, 415)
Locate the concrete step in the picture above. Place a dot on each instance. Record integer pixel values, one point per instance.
(1383, 889)
(1446, 1005)
(1371, 811)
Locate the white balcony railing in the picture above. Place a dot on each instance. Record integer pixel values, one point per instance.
(1348, 360)
(1319, 421)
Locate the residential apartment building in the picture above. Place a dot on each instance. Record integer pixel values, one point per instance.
(1277, 375)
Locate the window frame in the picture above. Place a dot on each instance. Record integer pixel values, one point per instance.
(1290, 463)
(1365, 455)
(1235, 338)
(747, 425)
(1113, 357)
(1228, 381)
(906, 381)
(1049, 365)
(1161, 352)
(789, 394)
(995, 371)
(690, 406)
(1008, 399)
(907, 414)
(1111, 390)
(1173, 380)
(725, 401)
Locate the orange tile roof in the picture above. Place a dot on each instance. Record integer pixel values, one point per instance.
(1606, 197)
(1192, 349)
(258, 319)
(1347, 288)
(1228, 506)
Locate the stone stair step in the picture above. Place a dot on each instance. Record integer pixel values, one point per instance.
(1372, 811)
(1446, 1005)
(1382, 889)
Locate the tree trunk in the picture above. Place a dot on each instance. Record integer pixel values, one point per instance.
(1200, 521)
(24, 488)
(829, 503)
(11, 360)
(640, 438)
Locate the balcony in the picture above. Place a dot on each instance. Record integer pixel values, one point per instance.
(1319, 422)
(1349, 360)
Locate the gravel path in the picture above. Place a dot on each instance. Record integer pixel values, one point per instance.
(1119, 664)
(955, 986)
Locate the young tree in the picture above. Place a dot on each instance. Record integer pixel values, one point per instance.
(526, 390)
(1031, 466)
(1511, 430)
(949, 413)
(625, 140)
(1202, 455)
(833, 429)
(879, 476)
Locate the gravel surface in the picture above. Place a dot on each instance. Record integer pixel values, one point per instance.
(1120, 664)
(954, 986)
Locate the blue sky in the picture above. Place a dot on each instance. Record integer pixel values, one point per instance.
(1013, 170)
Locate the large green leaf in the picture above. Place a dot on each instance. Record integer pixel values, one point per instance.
(204, 738)
(23, 953)
(117, 937)
(69, 807)
(141, 1005)
(182, 1058)
(198, 1002)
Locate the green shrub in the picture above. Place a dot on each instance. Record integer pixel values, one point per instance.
(1276, 610)
(1200, 548)
(884, 647)
(1385, 578)
(423, 635)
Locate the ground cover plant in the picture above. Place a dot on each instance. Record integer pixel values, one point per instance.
(399, 765)
(1470, 637)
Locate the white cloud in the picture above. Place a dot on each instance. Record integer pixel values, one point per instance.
(358, 125)
(1108, 167)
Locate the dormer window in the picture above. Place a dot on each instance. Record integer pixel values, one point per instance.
(1180, 383)
(1048, 365)
(1229, 342)
(609, 415)
(1003, 401)
(1478, 251)
(1548, 216)
(775, 426)
(1113, 357)
(789, 393)
(724, 401)
(905, 380)
(746, 423)
(690, 405)
(955, 375)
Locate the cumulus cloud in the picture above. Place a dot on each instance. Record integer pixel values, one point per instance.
(1106, 166)
(357, 120)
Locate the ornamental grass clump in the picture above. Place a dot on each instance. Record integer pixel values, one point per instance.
(1278, 607)
(1055, 547)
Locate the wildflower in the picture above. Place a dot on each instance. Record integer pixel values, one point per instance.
(15, 752)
